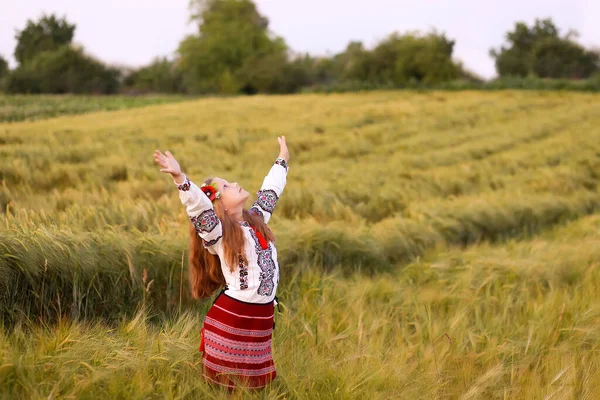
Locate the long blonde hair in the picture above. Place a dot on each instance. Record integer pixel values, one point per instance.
(206, 275)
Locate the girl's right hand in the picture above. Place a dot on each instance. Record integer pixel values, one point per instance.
(168, 163)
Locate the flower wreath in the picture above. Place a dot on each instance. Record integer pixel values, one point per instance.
(211, 191)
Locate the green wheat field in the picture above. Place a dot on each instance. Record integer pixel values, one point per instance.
(433, 245)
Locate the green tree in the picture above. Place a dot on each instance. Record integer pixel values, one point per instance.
(304, 71)
(160, 76)
(233, 51)
(563, 59)
(47, 34)
(399, 60)
(3, 67)
(541, 51)
(352, 64)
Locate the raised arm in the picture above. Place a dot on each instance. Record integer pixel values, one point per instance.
(273, 184)
(202, 213)
(198, 206)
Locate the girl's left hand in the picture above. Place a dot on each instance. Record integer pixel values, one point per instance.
(283, 150)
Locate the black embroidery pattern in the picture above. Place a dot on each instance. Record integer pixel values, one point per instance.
(256, 210)
(211, 242)
(243, 274)
(206, 221)
(267, 267)
(282, 162)
(185, 186)
(267, 199)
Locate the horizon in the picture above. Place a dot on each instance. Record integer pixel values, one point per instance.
(474, 34)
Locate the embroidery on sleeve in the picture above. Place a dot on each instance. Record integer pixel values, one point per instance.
(256, 210)
(211, 242)
(206, 221)
(185, 186)
(267, 198)
(282, 162)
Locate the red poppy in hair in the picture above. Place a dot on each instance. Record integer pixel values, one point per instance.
(210, 191)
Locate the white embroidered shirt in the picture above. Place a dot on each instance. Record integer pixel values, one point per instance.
(255, 281)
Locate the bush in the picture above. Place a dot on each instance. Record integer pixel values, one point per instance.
(66, 70)
(161, 76)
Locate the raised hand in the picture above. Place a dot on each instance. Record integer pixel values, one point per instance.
(283, 150)
(168, 163)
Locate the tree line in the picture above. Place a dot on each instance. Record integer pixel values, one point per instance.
(234, 52)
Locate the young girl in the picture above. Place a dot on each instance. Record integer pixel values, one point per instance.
(233, 248)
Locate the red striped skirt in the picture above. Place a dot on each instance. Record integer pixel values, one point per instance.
(236, 343)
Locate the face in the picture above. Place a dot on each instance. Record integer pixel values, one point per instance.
(232, 194)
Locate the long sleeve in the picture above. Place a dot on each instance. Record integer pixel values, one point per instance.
(202, 214)
(271, 190)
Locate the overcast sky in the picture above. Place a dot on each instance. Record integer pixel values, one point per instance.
(133, 32)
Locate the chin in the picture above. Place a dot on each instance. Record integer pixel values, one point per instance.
(243, 197)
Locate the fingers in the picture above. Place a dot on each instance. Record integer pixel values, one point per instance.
(165, 155)
(161, 160)
(166, 161)
(158, 154)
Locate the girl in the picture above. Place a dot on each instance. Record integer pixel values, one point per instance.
(233, 248)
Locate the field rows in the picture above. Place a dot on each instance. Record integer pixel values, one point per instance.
(84, 191)
(458, 232)
(16, 108)
(518, 321)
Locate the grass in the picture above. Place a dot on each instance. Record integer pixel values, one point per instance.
(512, 83)
(14, 108)
(433, 245)
(513, 321)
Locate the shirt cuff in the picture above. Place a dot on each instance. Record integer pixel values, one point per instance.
(282, 162)
(185, 186)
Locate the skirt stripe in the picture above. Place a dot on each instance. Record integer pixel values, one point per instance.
(235, 364)
(239, 371)
(225, 356)
(237, 331)
(236, 343)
